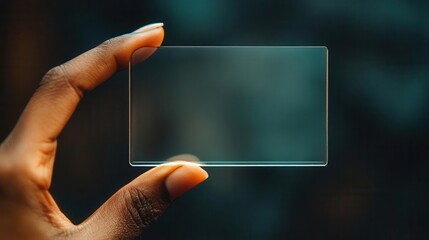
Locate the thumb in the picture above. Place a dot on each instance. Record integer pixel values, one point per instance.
(135, 206)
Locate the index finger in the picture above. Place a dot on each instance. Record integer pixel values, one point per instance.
(62, 87)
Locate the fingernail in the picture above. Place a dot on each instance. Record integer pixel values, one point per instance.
(149, 27)
(184, 178)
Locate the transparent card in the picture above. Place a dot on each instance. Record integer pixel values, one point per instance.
(229, 105)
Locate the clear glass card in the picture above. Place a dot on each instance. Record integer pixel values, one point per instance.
(229, 105)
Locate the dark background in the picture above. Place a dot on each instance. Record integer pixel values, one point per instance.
(376, 183)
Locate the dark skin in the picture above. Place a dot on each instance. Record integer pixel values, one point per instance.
(27, 155)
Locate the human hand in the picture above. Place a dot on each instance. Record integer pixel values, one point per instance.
(27, 209)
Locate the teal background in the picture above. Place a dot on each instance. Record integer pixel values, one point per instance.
(376, 183)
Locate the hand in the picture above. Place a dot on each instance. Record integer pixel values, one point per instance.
(27, 209)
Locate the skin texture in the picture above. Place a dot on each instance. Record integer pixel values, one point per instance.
(27, 155)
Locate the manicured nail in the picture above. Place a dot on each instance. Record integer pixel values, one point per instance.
(184, 178)
(149, 27)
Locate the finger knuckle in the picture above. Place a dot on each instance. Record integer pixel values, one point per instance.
(53, 75)
(57, 80)
(109, 44)
(142, 207)
(54, 80)
(105, 45)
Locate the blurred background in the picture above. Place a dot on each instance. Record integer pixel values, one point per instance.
(376, 183)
